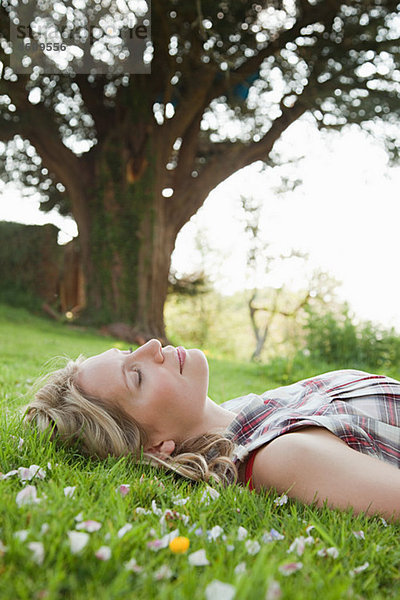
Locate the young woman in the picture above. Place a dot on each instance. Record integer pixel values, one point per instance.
(333, 438)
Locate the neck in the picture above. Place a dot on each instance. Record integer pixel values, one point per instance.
(215, 419)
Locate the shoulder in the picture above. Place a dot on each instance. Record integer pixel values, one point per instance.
(286, 458)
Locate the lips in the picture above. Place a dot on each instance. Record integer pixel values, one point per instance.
(181, 356)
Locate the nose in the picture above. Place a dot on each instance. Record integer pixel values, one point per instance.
(151, 348)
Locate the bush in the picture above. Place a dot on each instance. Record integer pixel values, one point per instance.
(337, 340)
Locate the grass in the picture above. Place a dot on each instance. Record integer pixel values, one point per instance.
(26, 344)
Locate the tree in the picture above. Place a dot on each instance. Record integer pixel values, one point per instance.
(228, 78)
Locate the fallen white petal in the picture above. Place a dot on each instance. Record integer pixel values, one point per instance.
(242, 534)
(124, 530)
(198, 558)
(240, 568)
(131, 565)
(27, 496)
(44, 528)
(157, 511)
(90, 526)
(3, 548)
(359, 535)
(359, 569)
(271, 536)
(69, 491)
(220, 590)
(9, 474)
(21, 535)
(164, 541)
(274, 591)
(79, 517)
(142, 511)
(37, 550)
(28, 473)
(289, 568)
(214, 533)
(208, 495)
(281, 500)
(77, 541)
(164, 572)
(180, 501)
(123, 489)
(252, 547)
(103, 553)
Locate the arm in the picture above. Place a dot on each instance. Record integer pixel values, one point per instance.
(314, 464)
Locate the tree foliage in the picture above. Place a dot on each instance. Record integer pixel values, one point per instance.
(228, 78)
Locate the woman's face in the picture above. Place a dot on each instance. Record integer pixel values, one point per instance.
(163, 389)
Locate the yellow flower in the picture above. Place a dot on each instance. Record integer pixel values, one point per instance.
(179, 545)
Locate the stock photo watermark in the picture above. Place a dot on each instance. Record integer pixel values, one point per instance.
(81, 36)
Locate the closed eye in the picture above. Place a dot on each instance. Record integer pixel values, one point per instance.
(139, 372)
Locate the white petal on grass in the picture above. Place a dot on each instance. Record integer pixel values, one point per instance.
(164, 572)
(252, 547)
(124, 530)
(208, 495)
(214, 533)
(271, 536)
(332, 551)
(131, 565)
(180, 501)
(142, 511)
(219, 589)
(90, 526)
(229, 547)
(37, 550)
(384, 523)
(3, 548)
(21, 535)
(123, 489)
(359, 569)
(157, 511)
(289, 568)
(309, 528)
(242, 534)
(198, 558)
(77, 541)
(9, 474)
(274, 591)
(69, 491)
(103, 553)
(281, 500)
(359, 535)
(27, 496)
(240, 568)
(28, 473)
(163, 542)
(44, 528)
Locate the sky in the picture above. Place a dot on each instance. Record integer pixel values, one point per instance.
(344, 214)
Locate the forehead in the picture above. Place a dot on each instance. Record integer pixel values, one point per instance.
(101, 376)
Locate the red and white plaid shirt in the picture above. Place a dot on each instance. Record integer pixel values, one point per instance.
(360, 408)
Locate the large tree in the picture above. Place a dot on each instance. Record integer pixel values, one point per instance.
(227, 79)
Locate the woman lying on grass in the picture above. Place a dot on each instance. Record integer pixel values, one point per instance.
(335, 437)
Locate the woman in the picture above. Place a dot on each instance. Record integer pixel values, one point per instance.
(333, 438)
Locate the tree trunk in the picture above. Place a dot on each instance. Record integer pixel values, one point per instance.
(128, 246)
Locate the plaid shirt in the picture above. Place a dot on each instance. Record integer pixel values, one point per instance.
(360, 408)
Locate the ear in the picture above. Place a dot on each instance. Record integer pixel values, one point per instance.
(166, 447)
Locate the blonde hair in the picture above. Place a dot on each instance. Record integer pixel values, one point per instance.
(100, 429)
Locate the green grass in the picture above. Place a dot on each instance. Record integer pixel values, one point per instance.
(26, 344)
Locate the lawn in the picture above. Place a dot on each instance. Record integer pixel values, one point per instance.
(258, 544)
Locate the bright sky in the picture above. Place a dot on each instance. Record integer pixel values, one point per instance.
(345, 214)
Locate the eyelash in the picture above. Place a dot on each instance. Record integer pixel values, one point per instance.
(138, 371)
